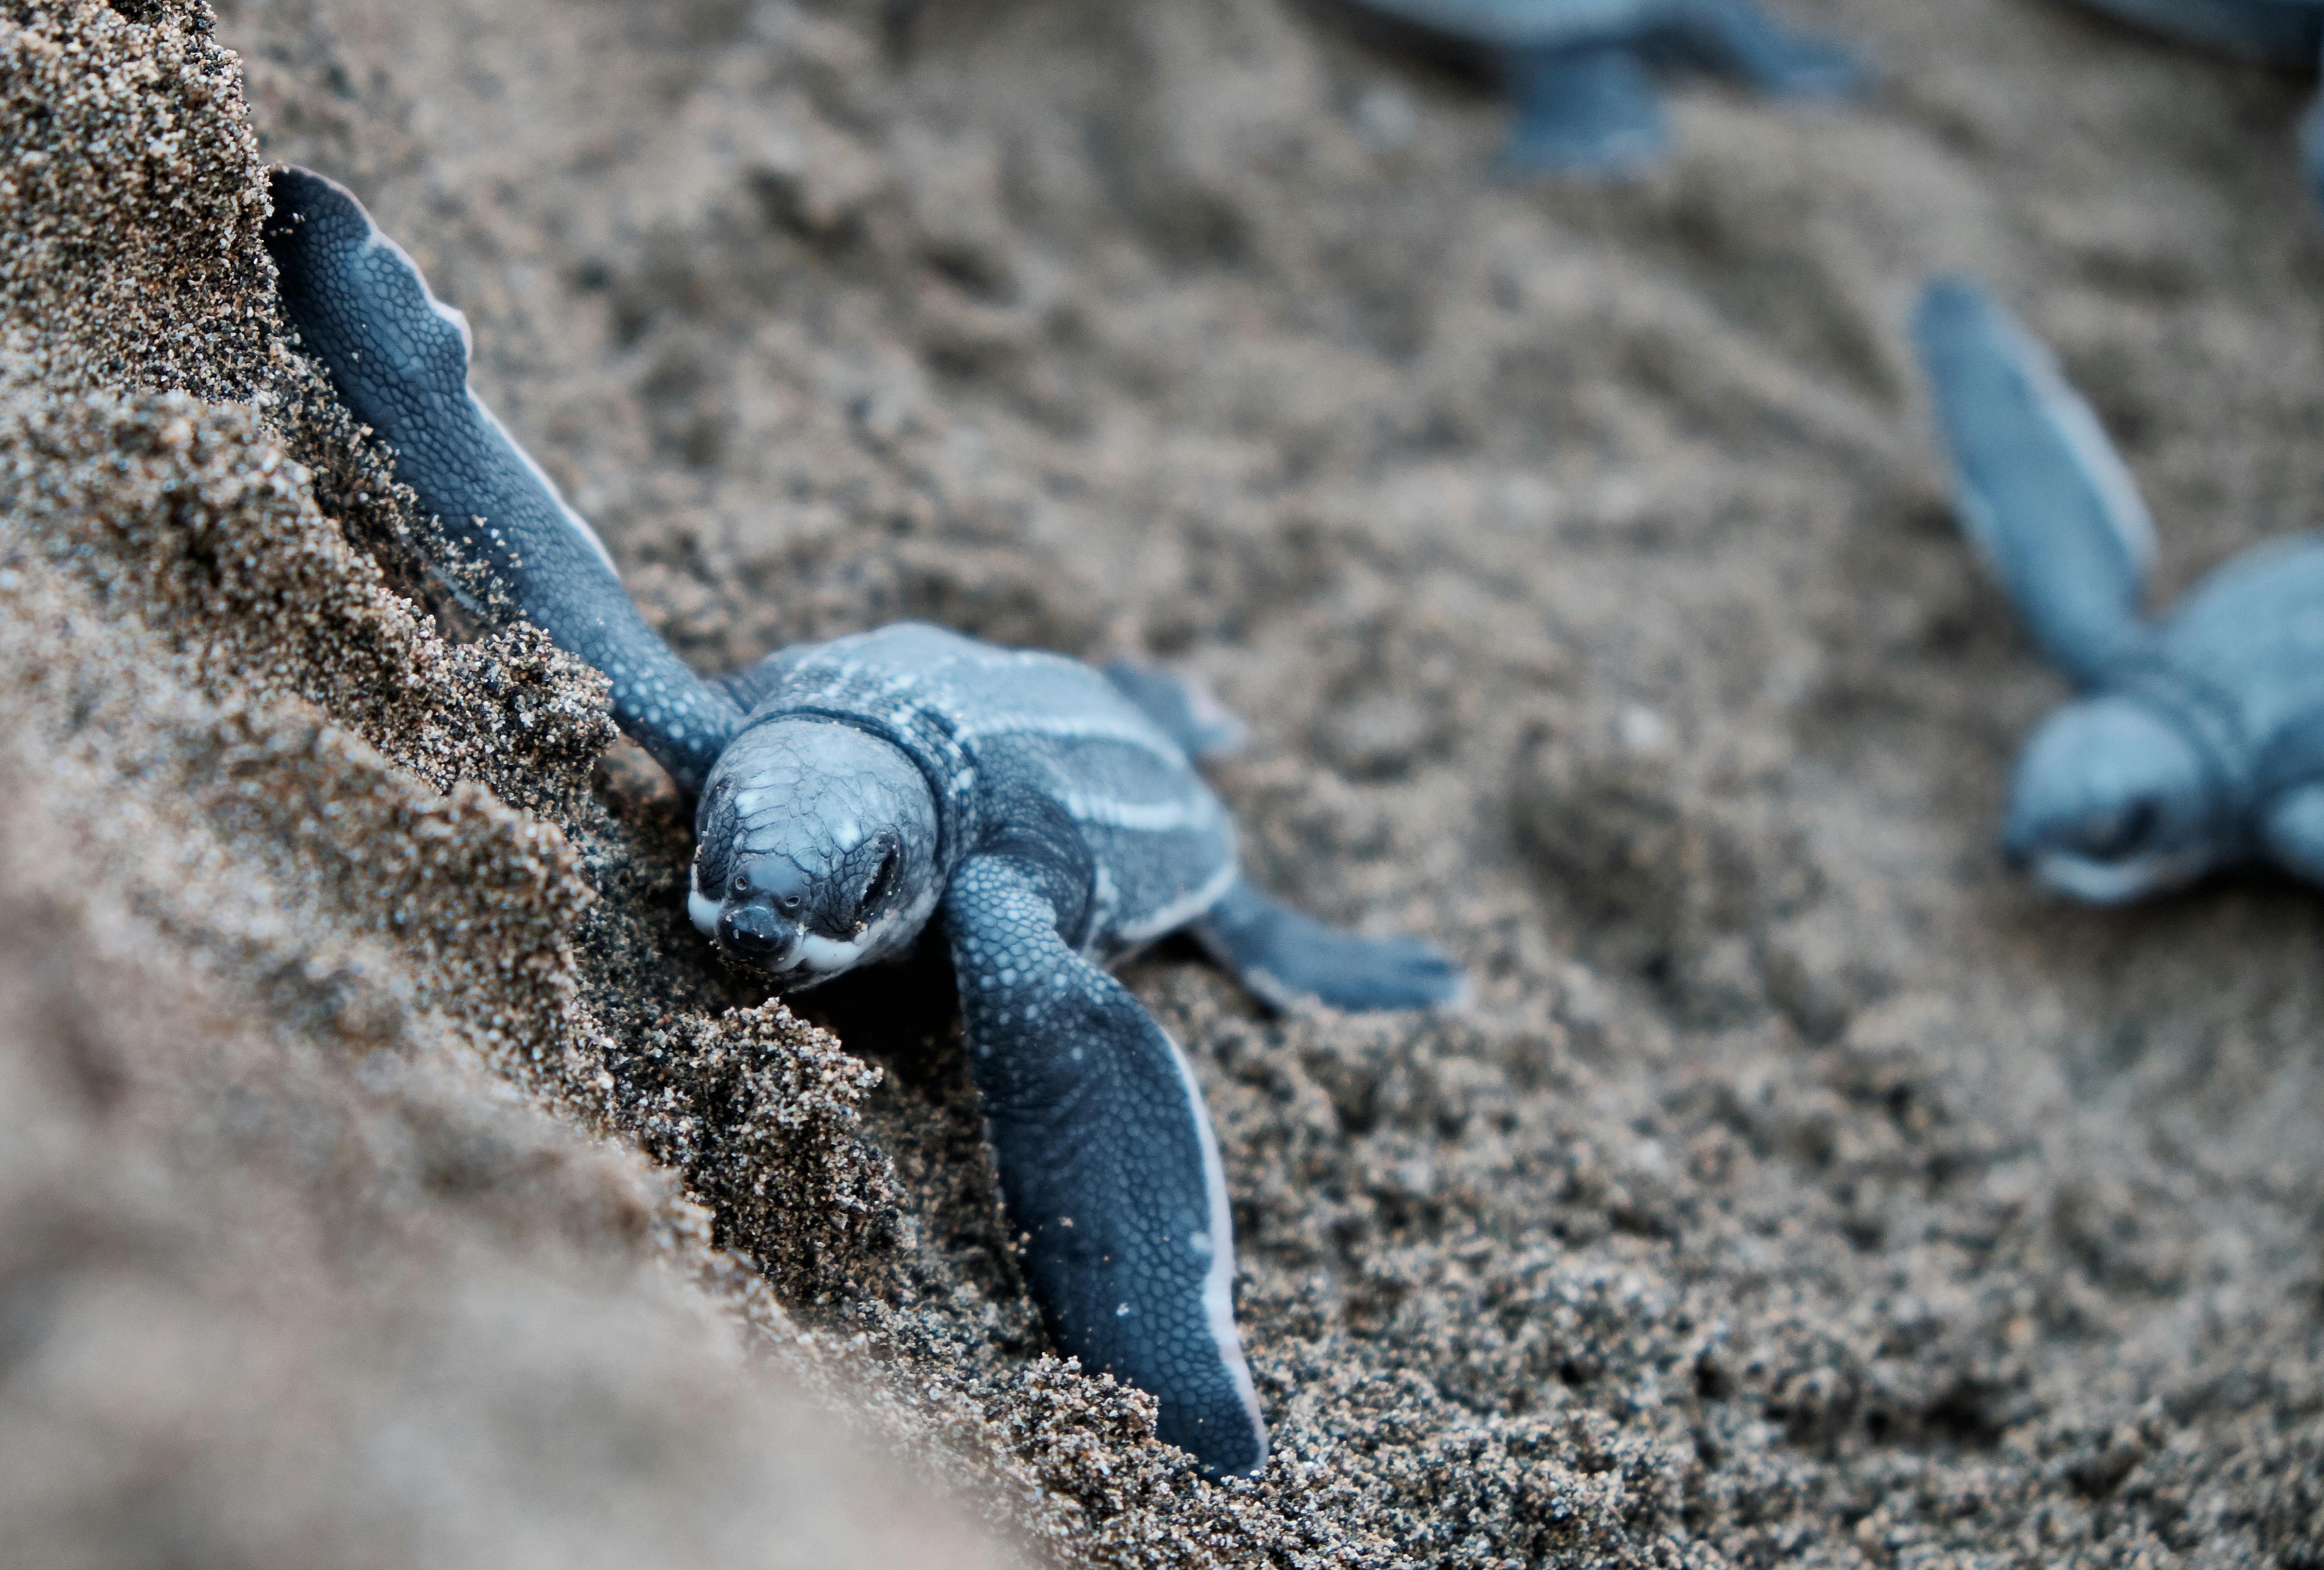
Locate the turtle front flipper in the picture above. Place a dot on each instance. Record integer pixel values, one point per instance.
(2292, 830)
(2312, 146)
(1283, 955)
(2280, 33)
(1107, 1164)
(1738, 40)
(1581, 109)
(2290, 817)
(397, 357)
(2039, 491)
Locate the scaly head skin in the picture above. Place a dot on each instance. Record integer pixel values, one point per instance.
(2112, 802)
(814, 851)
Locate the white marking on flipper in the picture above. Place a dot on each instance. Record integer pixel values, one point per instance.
(1149, 817)
(2118, 499)
(573, 521)
(1983, 329)
(381, 239)
(1217, 1240)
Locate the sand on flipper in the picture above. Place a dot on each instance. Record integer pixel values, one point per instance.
(1800, 1184)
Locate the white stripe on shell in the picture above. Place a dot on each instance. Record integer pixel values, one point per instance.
(1138, 733)
(1217, 1241)
(1179, 912)
(1150, 818)
(573, 521)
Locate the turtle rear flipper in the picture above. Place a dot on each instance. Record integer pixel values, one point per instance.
(1107, 1163)
(2291, 830)
(1738, 40)
(2291, 786)
(1183, 709)
(397, 357)
(2279, 32)
(2311, 147)
(1284, 955)
(1587, 108)
(2039, 491)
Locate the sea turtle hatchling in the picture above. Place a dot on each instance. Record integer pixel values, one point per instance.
(849, 792)
(2285, 32)
(2196, 742)
(2277, 32)
(1580, 71)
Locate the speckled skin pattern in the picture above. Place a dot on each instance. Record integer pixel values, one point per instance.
(1580, 72)
(403, 368)
(2197, 741)
(849, 792)
(1093, 1117)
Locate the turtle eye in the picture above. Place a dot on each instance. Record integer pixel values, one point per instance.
(741, 883)
(883, 882)
(2119, 834)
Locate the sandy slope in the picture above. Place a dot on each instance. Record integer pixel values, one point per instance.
(1800, 1183)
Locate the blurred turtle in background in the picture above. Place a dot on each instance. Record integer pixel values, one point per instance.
(2196, 742)
(1581, 72)
(2277, 32)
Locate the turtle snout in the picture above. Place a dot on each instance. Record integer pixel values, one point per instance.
(756, 933)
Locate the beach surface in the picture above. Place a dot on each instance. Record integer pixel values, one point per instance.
(392, 1177)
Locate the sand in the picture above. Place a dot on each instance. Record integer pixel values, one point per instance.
(392, 1176)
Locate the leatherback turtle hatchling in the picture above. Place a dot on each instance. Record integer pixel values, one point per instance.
(2196, 742)
(1580, 69)
(2277, 32)
(850, 792)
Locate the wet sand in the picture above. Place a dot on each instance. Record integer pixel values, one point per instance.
(1800, 1186)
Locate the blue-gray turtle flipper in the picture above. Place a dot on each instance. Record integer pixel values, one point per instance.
(1283, 955)
(2291, 832)
(2282, 33)
(1183, 711)
(2311, 143)
(397, 357)
(1584, 109)
(1738, 40)
(2289, 784)
(2039, 491)
(1107, 1164)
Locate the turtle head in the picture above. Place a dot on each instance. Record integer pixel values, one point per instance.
(2111, 802)
(814, 851)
